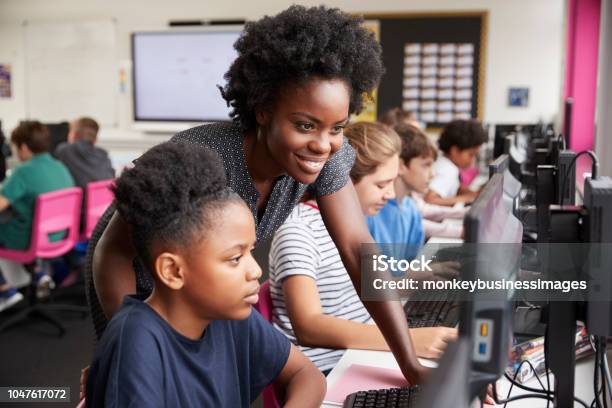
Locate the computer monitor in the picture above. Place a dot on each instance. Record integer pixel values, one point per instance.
(512, 187)
(448, 386)
(499, 165)
(503, 130)
(598, 202)
(58, 133)
(494, 235)
(589, 224)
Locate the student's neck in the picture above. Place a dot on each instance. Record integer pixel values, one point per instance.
(262, 167)
(401, 189)
(177, 314)
(452, 159)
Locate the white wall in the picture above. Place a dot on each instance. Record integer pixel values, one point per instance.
(524, 47)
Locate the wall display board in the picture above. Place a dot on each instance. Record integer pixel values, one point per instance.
(434, 65)
(71, 70)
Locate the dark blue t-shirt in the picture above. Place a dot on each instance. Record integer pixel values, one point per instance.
(141, 361)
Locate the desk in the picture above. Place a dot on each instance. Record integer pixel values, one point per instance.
(583, 375)
(437, 240)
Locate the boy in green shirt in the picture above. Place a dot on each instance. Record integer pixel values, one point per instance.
(39, 173)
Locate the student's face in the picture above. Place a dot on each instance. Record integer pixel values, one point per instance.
(464, 158)
(221, 278)
(375, 189)
(305, 126)
(72, 133)
(418, 173)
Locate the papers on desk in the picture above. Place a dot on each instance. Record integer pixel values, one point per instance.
(359, 377)
(533, 351)
(444, 240)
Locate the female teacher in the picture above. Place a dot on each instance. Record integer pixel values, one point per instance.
(298, 77)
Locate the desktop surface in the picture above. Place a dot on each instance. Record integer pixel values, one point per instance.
(385, 359)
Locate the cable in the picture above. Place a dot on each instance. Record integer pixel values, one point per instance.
(526, 388)
(594, 169)
(563, 141)
(546, 362)
(602, 346)
(542, 394)
(596, 376)
(607, 366)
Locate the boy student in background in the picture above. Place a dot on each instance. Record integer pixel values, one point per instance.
(397, 116)
(86, 161)
(460, 143)
(39, 173)
(195, 341)
(297, 78)
(314, 303)
(416, 171)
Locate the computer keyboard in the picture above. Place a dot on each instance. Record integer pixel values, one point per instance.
(427, 309)
(405, 397)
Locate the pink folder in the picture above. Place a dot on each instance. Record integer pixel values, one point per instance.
(360, 377)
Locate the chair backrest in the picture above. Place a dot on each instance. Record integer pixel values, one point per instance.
(97, 199)
(264, 306)
(56, 211)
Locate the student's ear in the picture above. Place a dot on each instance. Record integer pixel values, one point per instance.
(262, 116)
(169, 269)
(402, 168)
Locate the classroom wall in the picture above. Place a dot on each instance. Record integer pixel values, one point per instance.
(580, 81)
(524, 48)
(603, 141)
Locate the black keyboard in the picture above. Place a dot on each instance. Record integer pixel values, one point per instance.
(405, 397)
(430, 309)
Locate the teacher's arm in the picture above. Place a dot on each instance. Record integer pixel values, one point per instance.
(345, 222)
(113, 273)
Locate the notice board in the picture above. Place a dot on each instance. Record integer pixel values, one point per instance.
(434, 64)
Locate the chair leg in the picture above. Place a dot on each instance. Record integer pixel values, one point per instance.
(58, 307)
(29, 312)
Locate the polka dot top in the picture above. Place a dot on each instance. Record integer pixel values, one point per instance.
(227, 140)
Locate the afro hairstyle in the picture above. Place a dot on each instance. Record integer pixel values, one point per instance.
(464, 134)
(296, 45)
(170, 195)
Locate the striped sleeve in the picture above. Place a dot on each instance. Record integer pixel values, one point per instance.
(294, 251)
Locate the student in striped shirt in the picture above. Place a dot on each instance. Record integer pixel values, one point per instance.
(314, 303)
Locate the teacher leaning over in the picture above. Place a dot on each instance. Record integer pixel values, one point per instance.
(297, 78)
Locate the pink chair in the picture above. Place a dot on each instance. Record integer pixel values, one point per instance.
(264, 307)
(97, 199)
(54, 212)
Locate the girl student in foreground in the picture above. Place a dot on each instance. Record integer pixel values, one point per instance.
(194, 341)
(314, 303)
(298, 77)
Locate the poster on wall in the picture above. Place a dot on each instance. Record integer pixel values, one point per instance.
(5, 81)
(518, 97)
(434, 64)
(437, 82)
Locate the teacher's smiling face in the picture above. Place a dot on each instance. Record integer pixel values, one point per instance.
(305, 126)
